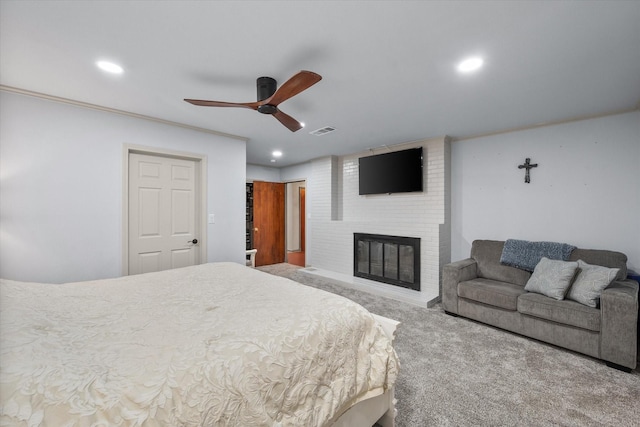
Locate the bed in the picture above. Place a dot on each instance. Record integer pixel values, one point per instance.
(216, 344)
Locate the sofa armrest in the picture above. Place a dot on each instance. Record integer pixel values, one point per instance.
(619, 311)
(452, 274)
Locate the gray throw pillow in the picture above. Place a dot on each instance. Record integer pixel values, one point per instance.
(552, 278)
(590, 282)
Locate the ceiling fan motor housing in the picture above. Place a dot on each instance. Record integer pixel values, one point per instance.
(266, 87)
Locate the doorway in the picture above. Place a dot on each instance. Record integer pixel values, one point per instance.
(269, 222)
(276, 225)
(296, 223)
(163, 222)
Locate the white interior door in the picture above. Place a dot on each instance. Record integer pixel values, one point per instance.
(163, 213)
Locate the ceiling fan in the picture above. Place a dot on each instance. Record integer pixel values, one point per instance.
(269, 97)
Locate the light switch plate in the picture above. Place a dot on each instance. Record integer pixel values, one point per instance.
(212, 218)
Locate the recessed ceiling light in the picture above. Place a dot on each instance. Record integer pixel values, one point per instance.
(109, 67)
(277, 153)
(273, 160)
(470, 64)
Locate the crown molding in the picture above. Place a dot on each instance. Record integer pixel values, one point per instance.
(545, 124)
(116, 111)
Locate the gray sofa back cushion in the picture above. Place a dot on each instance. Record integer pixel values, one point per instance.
(487, 254)
(604, 258)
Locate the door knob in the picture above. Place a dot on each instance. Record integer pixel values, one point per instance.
(194, 241)
(255, 229)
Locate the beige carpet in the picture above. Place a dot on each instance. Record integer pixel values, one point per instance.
(456, 372)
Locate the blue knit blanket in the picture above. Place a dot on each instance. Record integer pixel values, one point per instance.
(526, 255)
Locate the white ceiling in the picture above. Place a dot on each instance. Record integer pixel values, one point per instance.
(388, 67)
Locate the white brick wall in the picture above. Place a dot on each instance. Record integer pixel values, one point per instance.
(339, 211)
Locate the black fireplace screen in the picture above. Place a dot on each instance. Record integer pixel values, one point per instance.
(388, 259)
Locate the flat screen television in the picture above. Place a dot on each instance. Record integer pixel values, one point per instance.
(395, 172)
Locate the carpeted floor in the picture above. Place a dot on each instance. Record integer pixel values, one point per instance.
(456, 372)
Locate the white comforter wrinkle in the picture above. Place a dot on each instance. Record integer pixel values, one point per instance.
(211, 345)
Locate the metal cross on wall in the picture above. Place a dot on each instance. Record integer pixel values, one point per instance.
(527, 165)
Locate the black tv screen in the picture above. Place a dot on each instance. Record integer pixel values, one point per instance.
(395, 172)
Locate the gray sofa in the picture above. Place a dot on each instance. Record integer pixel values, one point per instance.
(483, 289)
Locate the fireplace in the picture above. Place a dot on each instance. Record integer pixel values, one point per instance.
(387, 259)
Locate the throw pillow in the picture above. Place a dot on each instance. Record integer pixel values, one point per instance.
(552, 278)
(590, 282)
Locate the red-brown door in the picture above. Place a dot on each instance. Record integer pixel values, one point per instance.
(268, 222)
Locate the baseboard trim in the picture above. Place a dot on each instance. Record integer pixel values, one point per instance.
(619, 367)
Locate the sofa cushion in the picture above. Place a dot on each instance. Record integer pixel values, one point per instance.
(552, 278)
(491, 292)
(487, 254)
(604, 258)
(566, 312)
(590, 282)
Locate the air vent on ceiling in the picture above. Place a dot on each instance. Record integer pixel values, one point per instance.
(323, 131)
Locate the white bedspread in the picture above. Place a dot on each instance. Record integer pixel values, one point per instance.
(211, 345)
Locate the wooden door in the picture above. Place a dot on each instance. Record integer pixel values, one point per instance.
(268, 222)
(162, 213)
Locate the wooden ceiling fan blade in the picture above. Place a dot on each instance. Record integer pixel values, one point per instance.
(203, 103)
(296, 84)
(289, 122)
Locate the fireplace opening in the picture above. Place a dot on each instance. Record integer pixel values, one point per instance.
(388, 259)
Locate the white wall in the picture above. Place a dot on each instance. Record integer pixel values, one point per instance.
(585, 191)
(61, 188)
(262, 173)
(299, 172)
